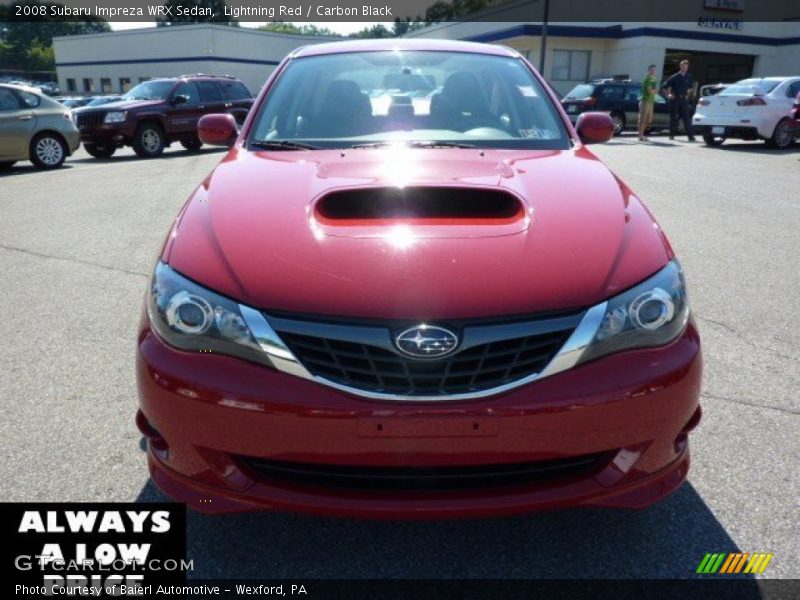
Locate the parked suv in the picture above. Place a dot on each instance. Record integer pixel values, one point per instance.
(619, 99)
(158, 112)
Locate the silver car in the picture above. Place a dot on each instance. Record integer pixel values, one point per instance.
(34, 127)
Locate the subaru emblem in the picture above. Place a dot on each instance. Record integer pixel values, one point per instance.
(426, 341)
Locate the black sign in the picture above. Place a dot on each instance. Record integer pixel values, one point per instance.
(93, 549)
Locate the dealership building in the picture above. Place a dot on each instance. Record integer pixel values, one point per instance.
(115, 61)
(720, 50)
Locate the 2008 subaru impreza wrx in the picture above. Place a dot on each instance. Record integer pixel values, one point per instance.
(410, 290)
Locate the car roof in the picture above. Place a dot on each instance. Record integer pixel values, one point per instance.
(772, 78)
(195, 76)
(612, 82)
(377, 45)
(22, 88)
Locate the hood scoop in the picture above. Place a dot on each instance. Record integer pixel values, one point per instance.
(425, 211)
(419, 204)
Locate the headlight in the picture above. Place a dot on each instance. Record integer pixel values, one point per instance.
(115, 116)
(652, 313)
(190, 317)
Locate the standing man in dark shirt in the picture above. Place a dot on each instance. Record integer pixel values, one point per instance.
(679, 86)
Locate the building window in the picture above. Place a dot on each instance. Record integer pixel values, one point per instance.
(88, 84)
(105, 85)
(570, 65)
(124, 84)
(71, 86)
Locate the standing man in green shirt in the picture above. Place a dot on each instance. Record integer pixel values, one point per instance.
(649, 89)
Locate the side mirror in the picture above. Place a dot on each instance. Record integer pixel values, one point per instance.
(594, 127)
(217, 129)
(180, 99)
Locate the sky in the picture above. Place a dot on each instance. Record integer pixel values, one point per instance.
(342, 28)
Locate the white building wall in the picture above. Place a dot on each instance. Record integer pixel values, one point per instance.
(530, 47)
(784, 60)
(157, 52)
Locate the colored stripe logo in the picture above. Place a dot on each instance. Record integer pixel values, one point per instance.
(734, 562)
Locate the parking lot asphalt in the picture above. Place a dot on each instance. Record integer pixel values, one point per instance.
(76, 249)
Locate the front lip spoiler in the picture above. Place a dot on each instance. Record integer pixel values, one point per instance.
(284, 360)
(632, 495)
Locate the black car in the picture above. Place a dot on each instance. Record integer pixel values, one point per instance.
(619, 99)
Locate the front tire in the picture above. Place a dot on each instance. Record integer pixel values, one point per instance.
(782, 136)
(619, 122)
(192, 144)
(100, 150)
(48, 151)
(149, 141)
(711, 140)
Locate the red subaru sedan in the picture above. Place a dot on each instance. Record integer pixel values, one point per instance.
(410, 290)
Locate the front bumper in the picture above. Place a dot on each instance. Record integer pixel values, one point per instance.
(112, 134)
(204, 412)
(73, 139)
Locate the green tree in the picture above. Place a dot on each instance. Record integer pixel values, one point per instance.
(376, 31)
(26, 45)
(291, 28)
(217, 8)
(407, 25)
(41, 58)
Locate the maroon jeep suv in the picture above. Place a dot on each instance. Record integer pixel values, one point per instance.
(158, 112)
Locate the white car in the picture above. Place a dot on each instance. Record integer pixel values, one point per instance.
(751, 109)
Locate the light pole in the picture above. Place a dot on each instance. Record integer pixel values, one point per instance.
(544, 36)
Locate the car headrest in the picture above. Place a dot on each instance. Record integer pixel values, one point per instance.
(463, 91)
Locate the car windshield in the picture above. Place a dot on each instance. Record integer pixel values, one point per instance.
(582, 90)
(150, 90)
(101, 101)
(750, 86)
(375, 98)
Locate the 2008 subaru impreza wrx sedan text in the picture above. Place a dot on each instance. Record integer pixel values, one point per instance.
(409, 290)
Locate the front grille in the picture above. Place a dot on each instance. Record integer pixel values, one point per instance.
(426, 478)
(378, 369)
(90, 119)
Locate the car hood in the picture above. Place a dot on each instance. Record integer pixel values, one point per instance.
(122, 105)
(252, 231)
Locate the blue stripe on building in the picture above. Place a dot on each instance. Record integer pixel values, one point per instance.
(617, 32)
(134, 61)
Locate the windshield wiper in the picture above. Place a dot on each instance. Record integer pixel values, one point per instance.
(414, 144)
(282, 145)
(440, 144)
(369, 145)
